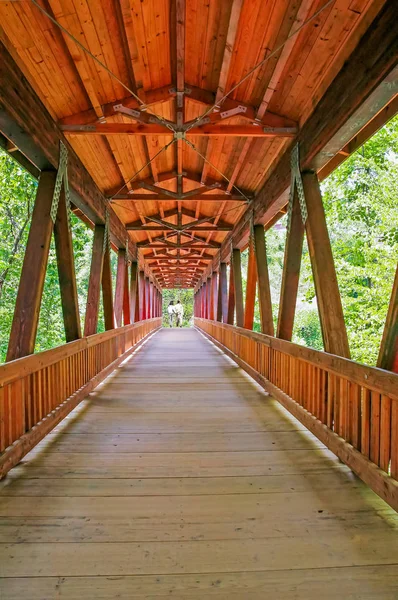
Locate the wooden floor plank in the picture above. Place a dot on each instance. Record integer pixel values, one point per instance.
(181, 478)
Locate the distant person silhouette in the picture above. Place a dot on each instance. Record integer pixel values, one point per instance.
(179, 311)
(171, 311)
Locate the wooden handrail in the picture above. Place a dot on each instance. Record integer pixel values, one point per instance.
(351, 408)
(38, 391)
(379, 380)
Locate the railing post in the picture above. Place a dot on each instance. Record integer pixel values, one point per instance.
(237, 275)
(388, 355)
(94, 285)
(327, 291)
(291, 272)
(107, 297)
(120, 282)
(251, 284)
(30, 291)
(264, 292)
(133, 289)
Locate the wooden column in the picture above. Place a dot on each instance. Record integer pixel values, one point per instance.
(291, 273)
(251, 284)
(30, 291)
(94, 284)
(388, 355)
(126, 296)
(231, 296)
(264, 292)
(204, 300)
(147, 298)
(120, 281)
(222, 303)
(208, 298)
(107, 296)
(66, 271)
(137, 299)
(141, 289)
(237, 274)
(334, 332)
(133, 289)
(213, 297)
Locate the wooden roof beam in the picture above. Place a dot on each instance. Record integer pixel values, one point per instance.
(142, 129)
(131, 227)
(229, 46)
(162, 198)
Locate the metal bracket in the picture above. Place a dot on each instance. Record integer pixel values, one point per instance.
(279, 130)
(296, 174)
(107, 240)
(61, 175)
(179, 135)
(130, 112)
(233, 111)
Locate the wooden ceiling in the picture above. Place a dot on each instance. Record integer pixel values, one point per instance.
(180, 183)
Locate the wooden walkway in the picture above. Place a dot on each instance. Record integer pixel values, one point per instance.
(180, 478)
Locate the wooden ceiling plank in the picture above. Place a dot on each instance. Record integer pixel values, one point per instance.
(229, 46)
(302, 15)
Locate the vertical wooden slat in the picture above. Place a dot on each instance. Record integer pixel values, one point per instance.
(30, 291)
(375, 427)
(328, 296)
(264, 292)
(93, 295)
(291, 273)
(237, 275)
(385, 432)
(66, 271)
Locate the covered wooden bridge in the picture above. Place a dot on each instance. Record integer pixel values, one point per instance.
(210, 462)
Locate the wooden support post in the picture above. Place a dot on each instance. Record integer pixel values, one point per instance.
(141, 290)
(222, 306)
(237, 274)
(30, 291)
(133, 289)
(291, 272)
(231, 296)
(94, 284)
(126, 297)
(119, 291)
(66, 271)
(213, 297)
(147, 299)
(388, 355)
(137, 300)
(264, 292)
(208, 299)
(251, 284)
(107, 296)
(334, 332)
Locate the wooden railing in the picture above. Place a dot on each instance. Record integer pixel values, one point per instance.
(350, 407)
(38, 391)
